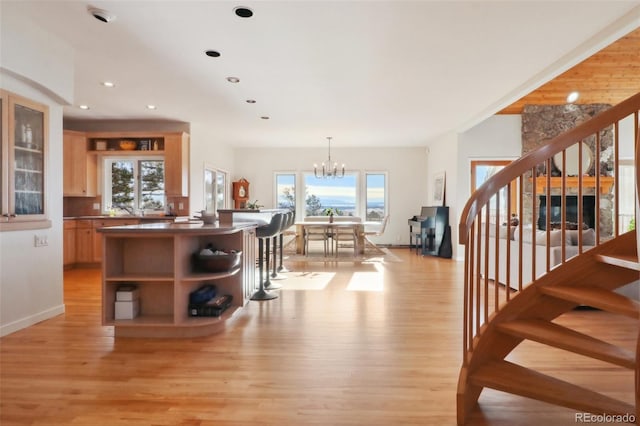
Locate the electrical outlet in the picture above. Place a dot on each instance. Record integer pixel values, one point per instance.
(40, 241)
(96, 206)
(180, 206)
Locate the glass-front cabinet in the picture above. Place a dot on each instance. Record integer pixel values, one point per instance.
(24, 155)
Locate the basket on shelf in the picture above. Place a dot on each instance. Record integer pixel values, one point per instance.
(217, 262)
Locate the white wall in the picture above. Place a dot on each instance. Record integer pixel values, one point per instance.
(39, 67)
(442, 158)
(626, 143)
(30, 54)
(31, 282)
(497, 138)
(406, 167)
(207, 148)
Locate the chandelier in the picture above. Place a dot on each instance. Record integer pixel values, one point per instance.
(329, 170)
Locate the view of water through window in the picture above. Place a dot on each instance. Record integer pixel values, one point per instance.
(336, 194)
(342, 196)
(376, 196)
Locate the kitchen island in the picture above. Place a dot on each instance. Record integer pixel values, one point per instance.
(158, 259)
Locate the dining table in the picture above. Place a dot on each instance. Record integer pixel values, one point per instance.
(357, 226)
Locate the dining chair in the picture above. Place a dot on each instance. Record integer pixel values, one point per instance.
(375, 232)
(316, 233)
(345, 234)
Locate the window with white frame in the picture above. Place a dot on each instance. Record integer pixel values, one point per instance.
(133, 183)
(626, 190)
(285, 185)
(344, 195)
(481, 171)
(376, 196)
(339, 194)
(215, 189)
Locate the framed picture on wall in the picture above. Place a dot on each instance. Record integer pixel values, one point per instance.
(439, 189)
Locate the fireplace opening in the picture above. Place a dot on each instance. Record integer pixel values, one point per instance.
(571, 202)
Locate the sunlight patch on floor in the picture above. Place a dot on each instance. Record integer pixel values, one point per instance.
(307, 280)
(367, 281)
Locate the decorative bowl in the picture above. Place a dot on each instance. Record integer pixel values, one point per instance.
(217, 262)
(128, 145)
(207, 217)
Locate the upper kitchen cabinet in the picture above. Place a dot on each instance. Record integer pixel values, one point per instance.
(79, 169)
(25, 130)
(176, 147)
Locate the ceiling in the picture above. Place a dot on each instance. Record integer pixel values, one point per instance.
(608, 76)
(368, 73)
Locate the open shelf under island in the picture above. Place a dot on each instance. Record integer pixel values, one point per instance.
(157, 258)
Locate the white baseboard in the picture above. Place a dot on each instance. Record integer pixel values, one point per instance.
(31, 320)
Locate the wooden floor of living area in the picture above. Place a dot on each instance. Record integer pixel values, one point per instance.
(378, 345)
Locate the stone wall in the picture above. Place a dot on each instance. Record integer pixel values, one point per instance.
(541, 123)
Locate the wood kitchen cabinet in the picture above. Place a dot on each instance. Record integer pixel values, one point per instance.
(97, 242)
(69, 243)
(79, 169)
(24, 131)
(84, 241)
(176, 164)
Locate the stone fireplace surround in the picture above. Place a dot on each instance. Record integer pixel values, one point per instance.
(540, 124)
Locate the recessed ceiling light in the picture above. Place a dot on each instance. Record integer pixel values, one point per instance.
(243, 12)
(108, 84)
(151, 106)
(572, 97)
(101, 15)
(212, 53)
(233, 79)
(251, 101)
(83, 106)
(265, 117)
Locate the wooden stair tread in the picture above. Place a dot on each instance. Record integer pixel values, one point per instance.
(596, 297)
(561, 337)
(621, 260)
(512, 378)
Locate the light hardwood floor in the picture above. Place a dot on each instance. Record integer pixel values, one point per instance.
(335, 356)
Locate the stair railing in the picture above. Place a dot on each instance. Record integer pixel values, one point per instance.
(637, 209)
(508, 238)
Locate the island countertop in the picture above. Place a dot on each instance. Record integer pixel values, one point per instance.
(178, 228)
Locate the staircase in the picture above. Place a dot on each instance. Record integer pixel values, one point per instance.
(499, 316)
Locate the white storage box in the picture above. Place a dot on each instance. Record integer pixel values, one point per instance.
(127, 310)
(127, 294)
